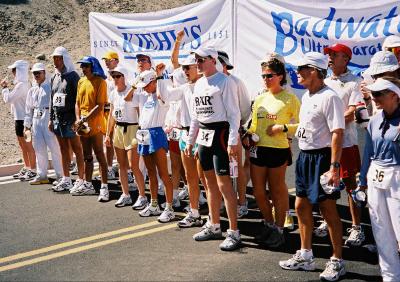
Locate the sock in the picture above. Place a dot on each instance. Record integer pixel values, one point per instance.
(168, 206)
(234, 232)
(195, 212)
(336, 259)
(104, 185)
(66, 178)
(154, 203)
(129, 171)
(215, 227)
(307, 254)
(109, 167)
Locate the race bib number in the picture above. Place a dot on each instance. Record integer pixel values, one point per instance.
(59, 100)
(381, 177)
(37, 113)
(253, 152)
(303, 134)
(174, 134)
(143, 137)
(119, 114)
(205, 137)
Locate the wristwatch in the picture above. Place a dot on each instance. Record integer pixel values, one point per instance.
(285, 129)
(335, 164)
(159, 77)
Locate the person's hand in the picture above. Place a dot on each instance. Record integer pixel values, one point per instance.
(51, 126)
(4, 83)
(160, 69)
(333, 177)
(188, 150)
(364, 91)
(180, 35)
(274, 129)
(107, 141)
(245, 141)
(233, 151)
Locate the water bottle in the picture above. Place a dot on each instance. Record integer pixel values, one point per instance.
(329, 189)
(233, 168)
(255, 138)
(359, 197)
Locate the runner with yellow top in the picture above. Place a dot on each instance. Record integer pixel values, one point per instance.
(270, 154)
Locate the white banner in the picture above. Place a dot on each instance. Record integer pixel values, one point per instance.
(206, 22)
(248, 29)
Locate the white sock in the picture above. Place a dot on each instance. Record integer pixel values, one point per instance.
(109, 167)
(66, 179)
(195, 212)
(307, 254)
(216, 226)
(104, 185)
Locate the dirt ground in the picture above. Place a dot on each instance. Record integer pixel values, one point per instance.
(32, 27)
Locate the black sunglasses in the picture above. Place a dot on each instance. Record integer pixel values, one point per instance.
(268, 75)
(143, 60)
(377, 94)
(201, 59)
(300, 68)
(85, 65)
(116, 76)
(35, 73)
(186, 67)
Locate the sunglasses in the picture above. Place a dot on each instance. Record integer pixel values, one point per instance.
(35, 73)
(201, 60)
(300, 68)
(377, 94)
(143, 60)
(116, 76)
(85, 66)
(268, 75)
(187, 67)
(109, 60)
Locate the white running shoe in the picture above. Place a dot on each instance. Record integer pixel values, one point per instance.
(190, 221)
(161, 190)
(77, 184)
(104, 195)
(242, 210)
(231, 242)
(184, 193)
(175, 204)
(334, 270)
(85, 189)
(202, 199)
(298, 262)
(150, 211)
(64, 185)
(166, 216)
(322, 230)
(140, 203)
(131, 182)
(356, 237)
(124, 200)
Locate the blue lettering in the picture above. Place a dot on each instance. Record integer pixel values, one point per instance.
(302, 30)
(196, 33)
(372, 29)
(148, 40)
(388, 18)
(349, 26)
(280, 32)
(324, 31)
(165, 39)
(127, 45)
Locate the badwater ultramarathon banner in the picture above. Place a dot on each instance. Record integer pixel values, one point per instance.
(248, 29)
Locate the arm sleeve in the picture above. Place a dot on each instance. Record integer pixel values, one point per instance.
(28, 110)
(11, 96)
(231, 103)
(368, 152)
(292, 127)
(168, 92)
(333, 110)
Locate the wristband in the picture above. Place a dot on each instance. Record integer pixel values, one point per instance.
(159, 77)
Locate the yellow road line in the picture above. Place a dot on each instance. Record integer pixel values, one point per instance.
(75, 242)
(86, 247)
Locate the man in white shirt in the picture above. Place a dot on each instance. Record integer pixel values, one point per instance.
(320, 134)
(347, 86)
(214, 127)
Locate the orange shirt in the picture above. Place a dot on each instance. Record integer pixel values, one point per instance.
(92, 92)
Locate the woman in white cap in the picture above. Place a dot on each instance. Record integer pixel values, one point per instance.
(122, 125)
(153, 144)
(272, 112)
(392, 44)
(17, 98)
(37, 118)
(380, 173)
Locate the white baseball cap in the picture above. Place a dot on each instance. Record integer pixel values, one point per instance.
(205, 51)
(391, 41)
(38, 67)
(121, 70)
(145, 78)
(146, 55)
(270, 56)
(383, 84)
(189, 60)
(381, 62)
(18, 63)
(315, 59)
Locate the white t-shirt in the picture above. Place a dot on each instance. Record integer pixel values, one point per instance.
(153, 110)
(214, 100)
(124, 111)
(17, 99)
(347, 86)
(243, 98)
(110, 88)
(320, 114)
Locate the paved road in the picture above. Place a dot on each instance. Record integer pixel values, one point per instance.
(50, 236)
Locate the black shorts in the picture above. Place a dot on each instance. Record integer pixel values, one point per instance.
(19, 128)
(270, 157)
(216, 156)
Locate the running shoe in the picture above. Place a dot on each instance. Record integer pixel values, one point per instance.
(123, 201)
(356, 236)
(30, 175)
(202, 199)
(85, 189)
(104, 195)
(231, 242)
(150, 211)
(208, 233)
(77, 184)
(175, 204)
(190, 221)
(184, 193)
(161, 190)
(334, 270)
(21, 173)
(322, 230)
(298, 262)
(73, 168)
(166, 216)
(64, 185)
(39, 180)
(242, 210)
(140, 203)
(275, 239)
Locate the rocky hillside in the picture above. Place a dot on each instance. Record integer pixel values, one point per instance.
(32, 27)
